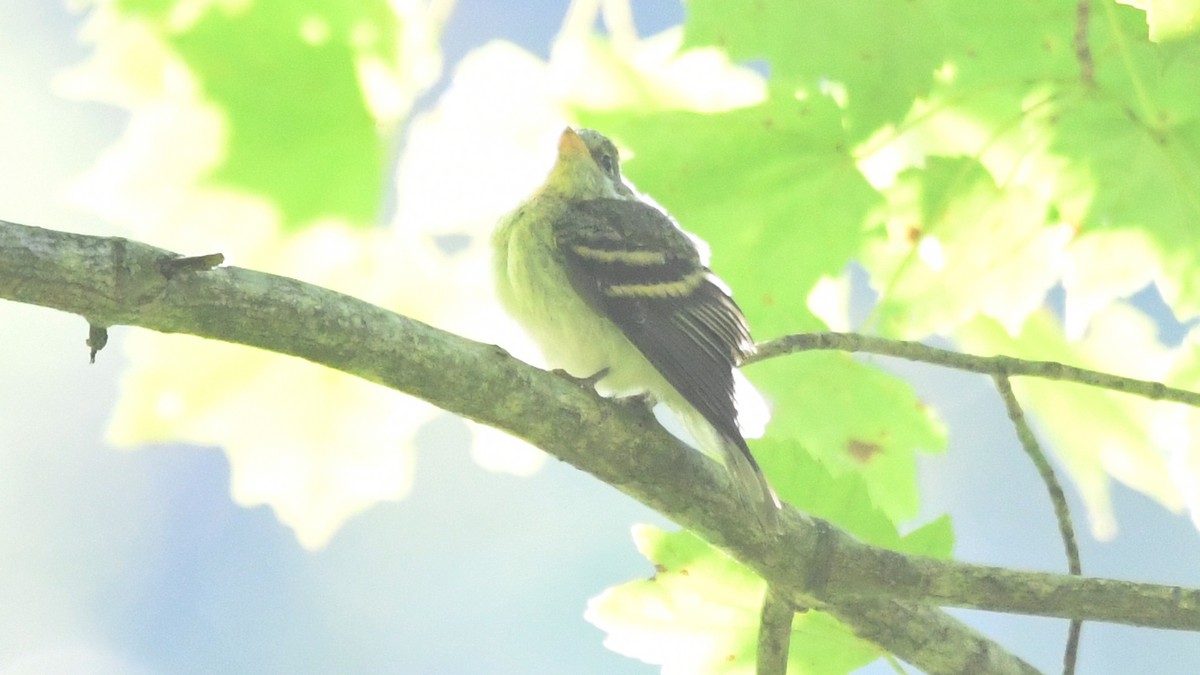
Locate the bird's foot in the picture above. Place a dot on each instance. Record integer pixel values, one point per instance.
(584, 382)
(644, 399)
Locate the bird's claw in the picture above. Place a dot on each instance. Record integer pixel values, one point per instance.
(645, 399)
(586, 382)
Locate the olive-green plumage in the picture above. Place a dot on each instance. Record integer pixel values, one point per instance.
(604, 280)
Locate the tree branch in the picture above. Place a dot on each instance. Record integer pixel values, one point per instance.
(882, 594)
(774, 635)
(988, 365)
(1058, 499)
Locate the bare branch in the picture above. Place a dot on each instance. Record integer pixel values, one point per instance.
(774, 635)
(1062, 512)
(948, 583)
(988, 365)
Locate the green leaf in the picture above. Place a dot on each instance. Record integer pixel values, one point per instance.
(1146, 181)
(851, 500)
(1169, 19)
(956, 245)
(298, 127)
(853, 419)
(699, 613)
(1065, 157)
(934, 539)
(771, 188)
(1009, 43)
(884, 54)
(1138, 139)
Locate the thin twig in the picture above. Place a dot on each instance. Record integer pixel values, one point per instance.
(988, 365)
(1062, 512)
(774, 635)
(1083, 51)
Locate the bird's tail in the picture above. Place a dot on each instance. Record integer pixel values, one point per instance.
(747, 476)
(751, 482)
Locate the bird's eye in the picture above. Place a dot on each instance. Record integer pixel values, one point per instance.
(608, 164)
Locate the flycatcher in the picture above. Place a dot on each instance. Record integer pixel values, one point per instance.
(608, 285)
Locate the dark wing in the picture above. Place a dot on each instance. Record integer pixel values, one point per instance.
(634, 266)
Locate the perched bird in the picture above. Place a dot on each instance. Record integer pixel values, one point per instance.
(608, 285)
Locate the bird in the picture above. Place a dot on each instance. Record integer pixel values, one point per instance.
(615, 292)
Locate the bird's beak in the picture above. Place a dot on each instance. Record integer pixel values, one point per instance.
(571, 144)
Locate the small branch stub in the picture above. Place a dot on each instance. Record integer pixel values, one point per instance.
(197, 263)
(97, 338)
(170, 268)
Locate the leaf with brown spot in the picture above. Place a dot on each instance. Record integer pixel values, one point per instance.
(863, 451)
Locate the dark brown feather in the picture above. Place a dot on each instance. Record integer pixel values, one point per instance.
(694, 338)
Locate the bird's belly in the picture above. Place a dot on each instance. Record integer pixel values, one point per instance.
(573, 336)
